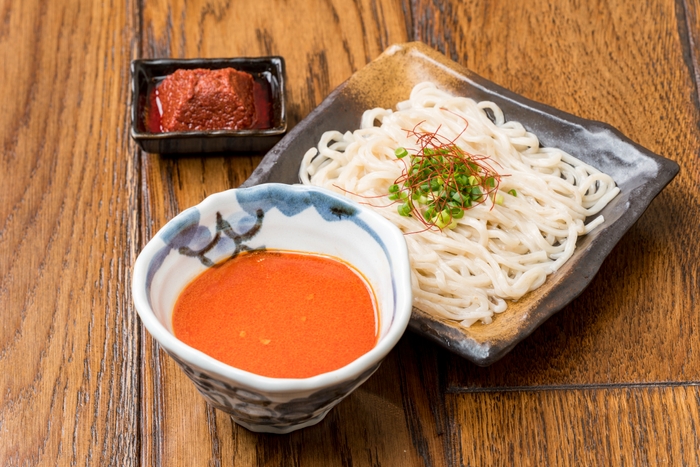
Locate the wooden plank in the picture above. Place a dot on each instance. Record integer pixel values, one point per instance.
(323, 43)
(83, 384)
(627, 64)
(388, 420)
(649, 425)
(69, 335)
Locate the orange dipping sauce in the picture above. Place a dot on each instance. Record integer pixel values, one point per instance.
(279, 314)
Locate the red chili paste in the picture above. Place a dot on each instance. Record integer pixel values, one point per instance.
(278, 314)
(204, 100)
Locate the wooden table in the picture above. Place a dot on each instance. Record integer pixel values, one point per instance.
(612, 379)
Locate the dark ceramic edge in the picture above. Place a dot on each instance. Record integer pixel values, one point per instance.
(208, 141)
(450, 337)
(487, 353)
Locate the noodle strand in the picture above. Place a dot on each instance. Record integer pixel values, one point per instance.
(497, 252)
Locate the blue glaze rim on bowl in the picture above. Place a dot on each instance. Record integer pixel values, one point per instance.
(293, 198)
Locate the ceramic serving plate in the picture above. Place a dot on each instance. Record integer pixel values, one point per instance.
(639, 173)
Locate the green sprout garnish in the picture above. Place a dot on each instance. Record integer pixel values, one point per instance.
(440, 181)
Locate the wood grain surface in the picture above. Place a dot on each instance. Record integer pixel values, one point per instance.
(612, 379)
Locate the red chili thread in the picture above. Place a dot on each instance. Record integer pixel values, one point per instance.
(440, 160)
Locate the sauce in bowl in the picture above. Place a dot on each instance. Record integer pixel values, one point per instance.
(279, 314)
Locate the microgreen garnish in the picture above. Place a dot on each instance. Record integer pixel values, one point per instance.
(440, 181)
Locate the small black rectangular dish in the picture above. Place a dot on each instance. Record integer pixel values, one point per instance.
(146, 74)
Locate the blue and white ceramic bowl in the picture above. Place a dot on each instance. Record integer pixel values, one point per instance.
(283, 217)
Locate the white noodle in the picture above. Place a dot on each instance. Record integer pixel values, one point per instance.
(496, 252)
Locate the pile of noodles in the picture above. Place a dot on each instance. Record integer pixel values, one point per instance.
(497, 252)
